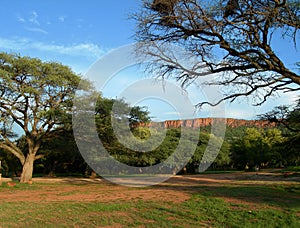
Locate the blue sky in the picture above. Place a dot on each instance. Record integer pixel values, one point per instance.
(77, 33)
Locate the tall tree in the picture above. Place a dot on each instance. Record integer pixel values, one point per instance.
(230, 38)
(35, 98)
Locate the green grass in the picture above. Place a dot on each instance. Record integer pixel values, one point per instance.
(199, 210)
(293, 169)
(18, 186)
(253, 206)
(58, 214)
(277, 196)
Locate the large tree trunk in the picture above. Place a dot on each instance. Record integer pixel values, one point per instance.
(27, 171)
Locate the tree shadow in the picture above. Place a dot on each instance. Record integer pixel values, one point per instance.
(258, 193)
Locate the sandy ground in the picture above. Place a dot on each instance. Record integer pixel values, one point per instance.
(176, 190)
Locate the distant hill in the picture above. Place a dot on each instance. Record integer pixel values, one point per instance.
(204, 122)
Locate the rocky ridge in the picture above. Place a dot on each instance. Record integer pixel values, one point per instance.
(204, 122)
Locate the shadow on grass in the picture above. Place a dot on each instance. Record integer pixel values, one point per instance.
(282, 196)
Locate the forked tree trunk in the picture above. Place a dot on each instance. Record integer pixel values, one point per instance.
(27, 171)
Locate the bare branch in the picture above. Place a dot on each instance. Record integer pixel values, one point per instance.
(232, 40)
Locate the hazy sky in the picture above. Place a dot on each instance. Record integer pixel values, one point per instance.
(77, 33)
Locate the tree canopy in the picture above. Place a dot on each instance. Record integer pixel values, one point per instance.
(35, 100)
(257, 147)
(233, 39)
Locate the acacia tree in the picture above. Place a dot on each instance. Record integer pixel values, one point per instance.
(35, 99)
(232, 39)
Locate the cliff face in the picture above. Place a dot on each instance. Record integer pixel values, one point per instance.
(204, 122)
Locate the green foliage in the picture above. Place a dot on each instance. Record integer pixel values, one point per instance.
(144, 138)
(10, 165)
(142, 133)
(293, 117)
(290, 150)
(287, 119)
(257, 147)
(62, 156)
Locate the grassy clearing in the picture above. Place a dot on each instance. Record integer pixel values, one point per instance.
(276, 205)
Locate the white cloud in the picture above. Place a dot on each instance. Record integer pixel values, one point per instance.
(289, 98)
(84, 49)
(34, 29)
(21, 19)
(61, 18)
(34, 18)
(33, 25)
